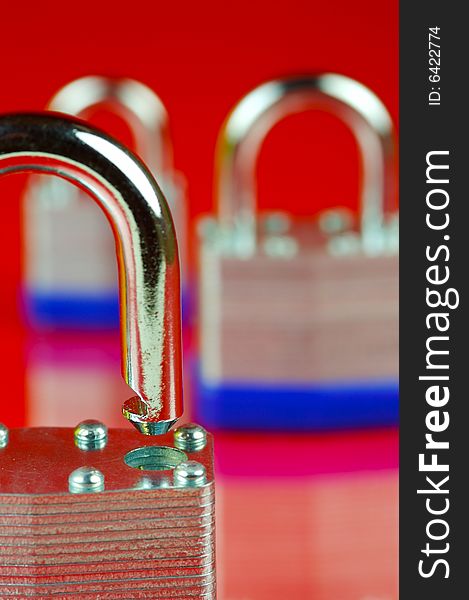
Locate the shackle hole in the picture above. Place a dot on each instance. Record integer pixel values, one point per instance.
(155, 458)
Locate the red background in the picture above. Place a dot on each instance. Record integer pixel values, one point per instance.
(201, 58)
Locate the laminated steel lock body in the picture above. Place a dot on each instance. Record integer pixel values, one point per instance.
(93, 513)
(70, 267)
(298, 315)
(126, 520)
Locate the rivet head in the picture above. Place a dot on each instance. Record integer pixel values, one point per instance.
(190, 474)
(190, 437)
(91, 435)
(4, 435)
(86, 480)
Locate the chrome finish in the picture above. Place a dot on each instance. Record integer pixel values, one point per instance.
(248, 124)
(4, 435)
(137, 104)
(190, 474)
(90, 435)
(86, 480)
(146, 249)
(190, 437)
(39, 460)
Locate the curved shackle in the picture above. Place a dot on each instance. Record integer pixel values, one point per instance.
(246, 127)
(146, 245)
(134, 102)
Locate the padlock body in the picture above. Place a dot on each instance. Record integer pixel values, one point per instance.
(144, 536)
(309, 329)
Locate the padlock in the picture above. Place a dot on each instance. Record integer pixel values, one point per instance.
(299, 319)
(93, 513)
(70, 268)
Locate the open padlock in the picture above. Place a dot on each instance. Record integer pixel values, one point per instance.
(70, 267)
(299, 320)
(93, 513)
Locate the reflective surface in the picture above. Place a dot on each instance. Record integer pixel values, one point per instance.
(319, 538)
(146, 249)
(312, 517)
(38, 461)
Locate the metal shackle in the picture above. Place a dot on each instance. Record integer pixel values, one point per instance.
(139, 107)
(147, 252)
(246, 127)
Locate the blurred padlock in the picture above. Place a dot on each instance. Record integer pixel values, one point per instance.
(299, 318)
(93, 513)
(70, 267)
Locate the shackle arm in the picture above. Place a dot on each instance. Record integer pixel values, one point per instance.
(246, 127)
(146, 244)
(136, 103)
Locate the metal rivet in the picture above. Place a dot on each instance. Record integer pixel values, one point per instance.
(335, 221)
(4, 435)
(85, 480)
(91, 435)
(276, 223)
(190, 437)
(190, 474)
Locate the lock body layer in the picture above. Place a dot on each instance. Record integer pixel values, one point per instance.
(299, 334)
(143, 533)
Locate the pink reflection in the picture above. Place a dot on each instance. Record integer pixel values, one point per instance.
(311, 517)
(72, 377)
